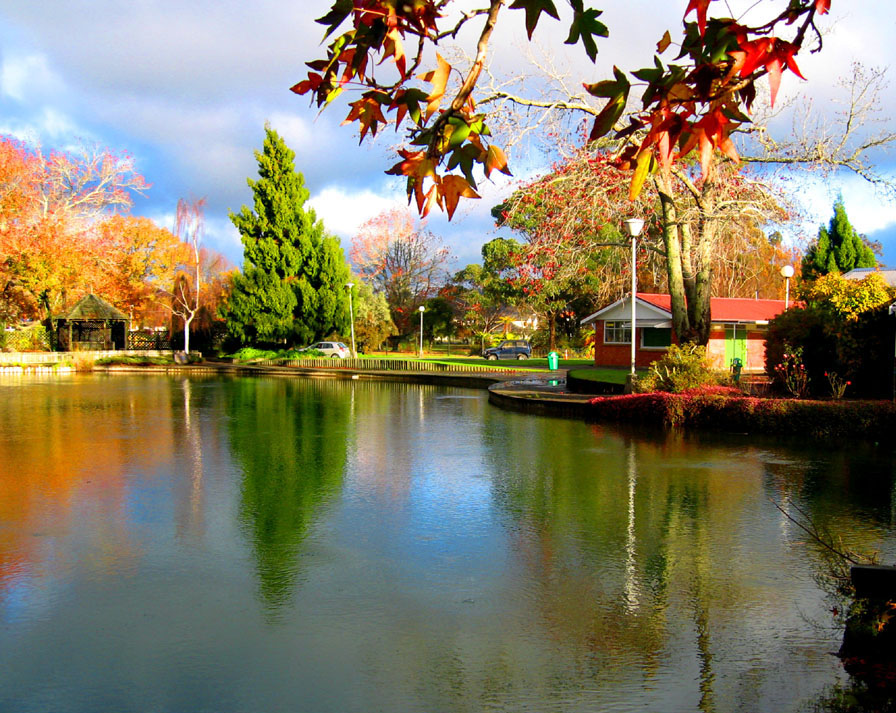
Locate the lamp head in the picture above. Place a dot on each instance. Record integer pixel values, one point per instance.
(634, 226)
(422, 308)
(349, 285)
(787, 272)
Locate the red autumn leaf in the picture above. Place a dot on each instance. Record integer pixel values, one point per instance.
(311, 84)
(368, 113)
(701, 7)
(822, 6)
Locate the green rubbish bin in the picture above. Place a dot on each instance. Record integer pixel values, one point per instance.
(553, 361)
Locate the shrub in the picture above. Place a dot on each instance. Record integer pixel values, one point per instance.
(680, 368)
(252, 353)
(791, 373)
(33, 338)
(806, 329)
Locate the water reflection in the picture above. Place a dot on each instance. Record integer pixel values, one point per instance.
(289, 438)
(267, 544)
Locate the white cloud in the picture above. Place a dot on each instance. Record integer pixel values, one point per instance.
(296, 132)
(344, 211)
(22, 77)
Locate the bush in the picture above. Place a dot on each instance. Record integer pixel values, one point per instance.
(33, 338)
(804, 329)
(681, 368)
(252, 353)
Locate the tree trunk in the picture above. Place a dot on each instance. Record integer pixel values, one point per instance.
(680, 322)
(690, 285)
(552, 331)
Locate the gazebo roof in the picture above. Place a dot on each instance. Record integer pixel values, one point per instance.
(91, 308)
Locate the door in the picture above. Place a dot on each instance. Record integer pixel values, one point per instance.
(735, 344)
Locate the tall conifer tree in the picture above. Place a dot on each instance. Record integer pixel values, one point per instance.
(292, 287)
(839, 247)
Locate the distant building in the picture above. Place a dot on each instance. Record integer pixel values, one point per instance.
(737, 330)
(860, 273)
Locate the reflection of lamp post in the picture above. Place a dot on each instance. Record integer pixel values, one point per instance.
(351, 316)
(787, 273)
(422, 310)
(634, 226)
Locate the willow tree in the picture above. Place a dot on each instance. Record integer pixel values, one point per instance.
(292, 288)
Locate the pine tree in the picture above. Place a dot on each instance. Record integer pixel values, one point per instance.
(292, 287)
(839, 248)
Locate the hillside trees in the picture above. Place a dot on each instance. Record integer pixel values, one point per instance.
(402, 260)
(292, 287)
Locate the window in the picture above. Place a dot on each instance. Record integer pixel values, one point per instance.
(617, 332)
(656, 337)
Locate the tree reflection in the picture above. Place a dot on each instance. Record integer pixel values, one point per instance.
(289, 438)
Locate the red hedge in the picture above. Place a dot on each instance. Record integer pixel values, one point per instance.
(719, 408)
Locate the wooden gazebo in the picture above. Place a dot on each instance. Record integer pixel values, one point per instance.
(92, 325)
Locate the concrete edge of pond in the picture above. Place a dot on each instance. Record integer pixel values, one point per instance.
(470, 380)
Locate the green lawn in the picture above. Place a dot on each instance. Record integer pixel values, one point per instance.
(611, 375)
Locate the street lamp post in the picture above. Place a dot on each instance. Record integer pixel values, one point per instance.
(633, 227)
(351, 316)
(787, 273)
(892, 311)
(422, 310)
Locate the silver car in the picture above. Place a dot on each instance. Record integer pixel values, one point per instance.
(334, 350)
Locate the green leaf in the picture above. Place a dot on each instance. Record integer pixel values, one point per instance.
(585, 26)
(608, 117)
(610, 88)
(340, 10)
(459, 134)
(533, 9)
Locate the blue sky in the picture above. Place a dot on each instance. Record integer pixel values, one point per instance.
(186, 87)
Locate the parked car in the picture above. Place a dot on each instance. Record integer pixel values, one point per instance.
(509, 349)
(334, 350)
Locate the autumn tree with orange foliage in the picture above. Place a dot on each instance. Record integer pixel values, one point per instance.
(399, 258)
(51, 206)
(139, 258)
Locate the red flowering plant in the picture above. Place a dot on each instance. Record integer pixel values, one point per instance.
(791, 372)
(838, 384)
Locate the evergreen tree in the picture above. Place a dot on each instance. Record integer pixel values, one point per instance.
(292, 287)
(839, 248)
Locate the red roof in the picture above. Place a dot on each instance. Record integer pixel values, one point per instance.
(726, 309)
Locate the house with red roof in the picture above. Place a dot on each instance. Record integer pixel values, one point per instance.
(738, 328)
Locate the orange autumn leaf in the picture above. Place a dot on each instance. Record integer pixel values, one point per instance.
(439, 80)
(453, 188)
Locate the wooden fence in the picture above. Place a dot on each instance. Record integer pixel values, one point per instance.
(381, 365)
(55, 357)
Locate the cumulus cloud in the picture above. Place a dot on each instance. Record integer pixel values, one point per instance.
(344, 211)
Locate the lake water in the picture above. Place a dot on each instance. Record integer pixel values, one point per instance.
(262, 544)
